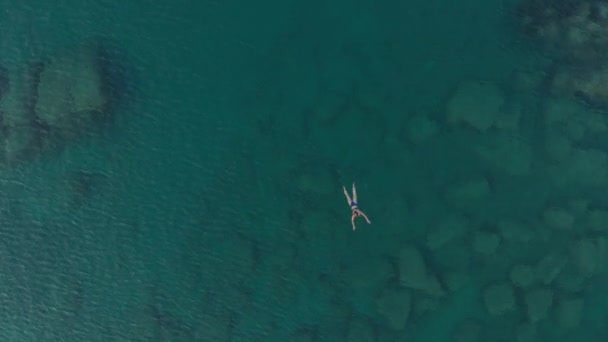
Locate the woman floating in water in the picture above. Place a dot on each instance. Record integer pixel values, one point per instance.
(354, 207)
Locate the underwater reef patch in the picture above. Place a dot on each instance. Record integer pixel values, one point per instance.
(51, 103)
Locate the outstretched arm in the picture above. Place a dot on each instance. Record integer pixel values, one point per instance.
(365, 217)
(347, 196)
(352, 220)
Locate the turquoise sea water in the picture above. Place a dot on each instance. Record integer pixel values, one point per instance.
(212, 210)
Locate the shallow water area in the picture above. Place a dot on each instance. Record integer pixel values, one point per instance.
(210, 206)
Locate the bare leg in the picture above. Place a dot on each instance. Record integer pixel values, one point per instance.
(354, 193)
(347, 196)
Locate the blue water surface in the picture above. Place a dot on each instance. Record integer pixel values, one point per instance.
(212, 208)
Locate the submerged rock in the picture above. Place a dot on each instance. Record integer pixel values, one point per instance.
(71, 94)
(469, 194)
(569, 312)
(360, 330)
(588, 84)
(395, 305)
(499, 298)
(575, 33)
(420, 128)
(589, 255)
(538, 304)
(506, 154)
(413, 273)
(467, 331)
(558, 218)
(477, 104)
(447, 229)
(527, 332)
(485, 243)
(47, 103)
(4, 81)
(522, 275)
(17, 138)
(571, 29)
(83, 185)
(550, 266)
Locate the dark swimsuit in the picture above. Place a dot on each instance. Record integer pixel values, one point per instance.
(355, 209)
